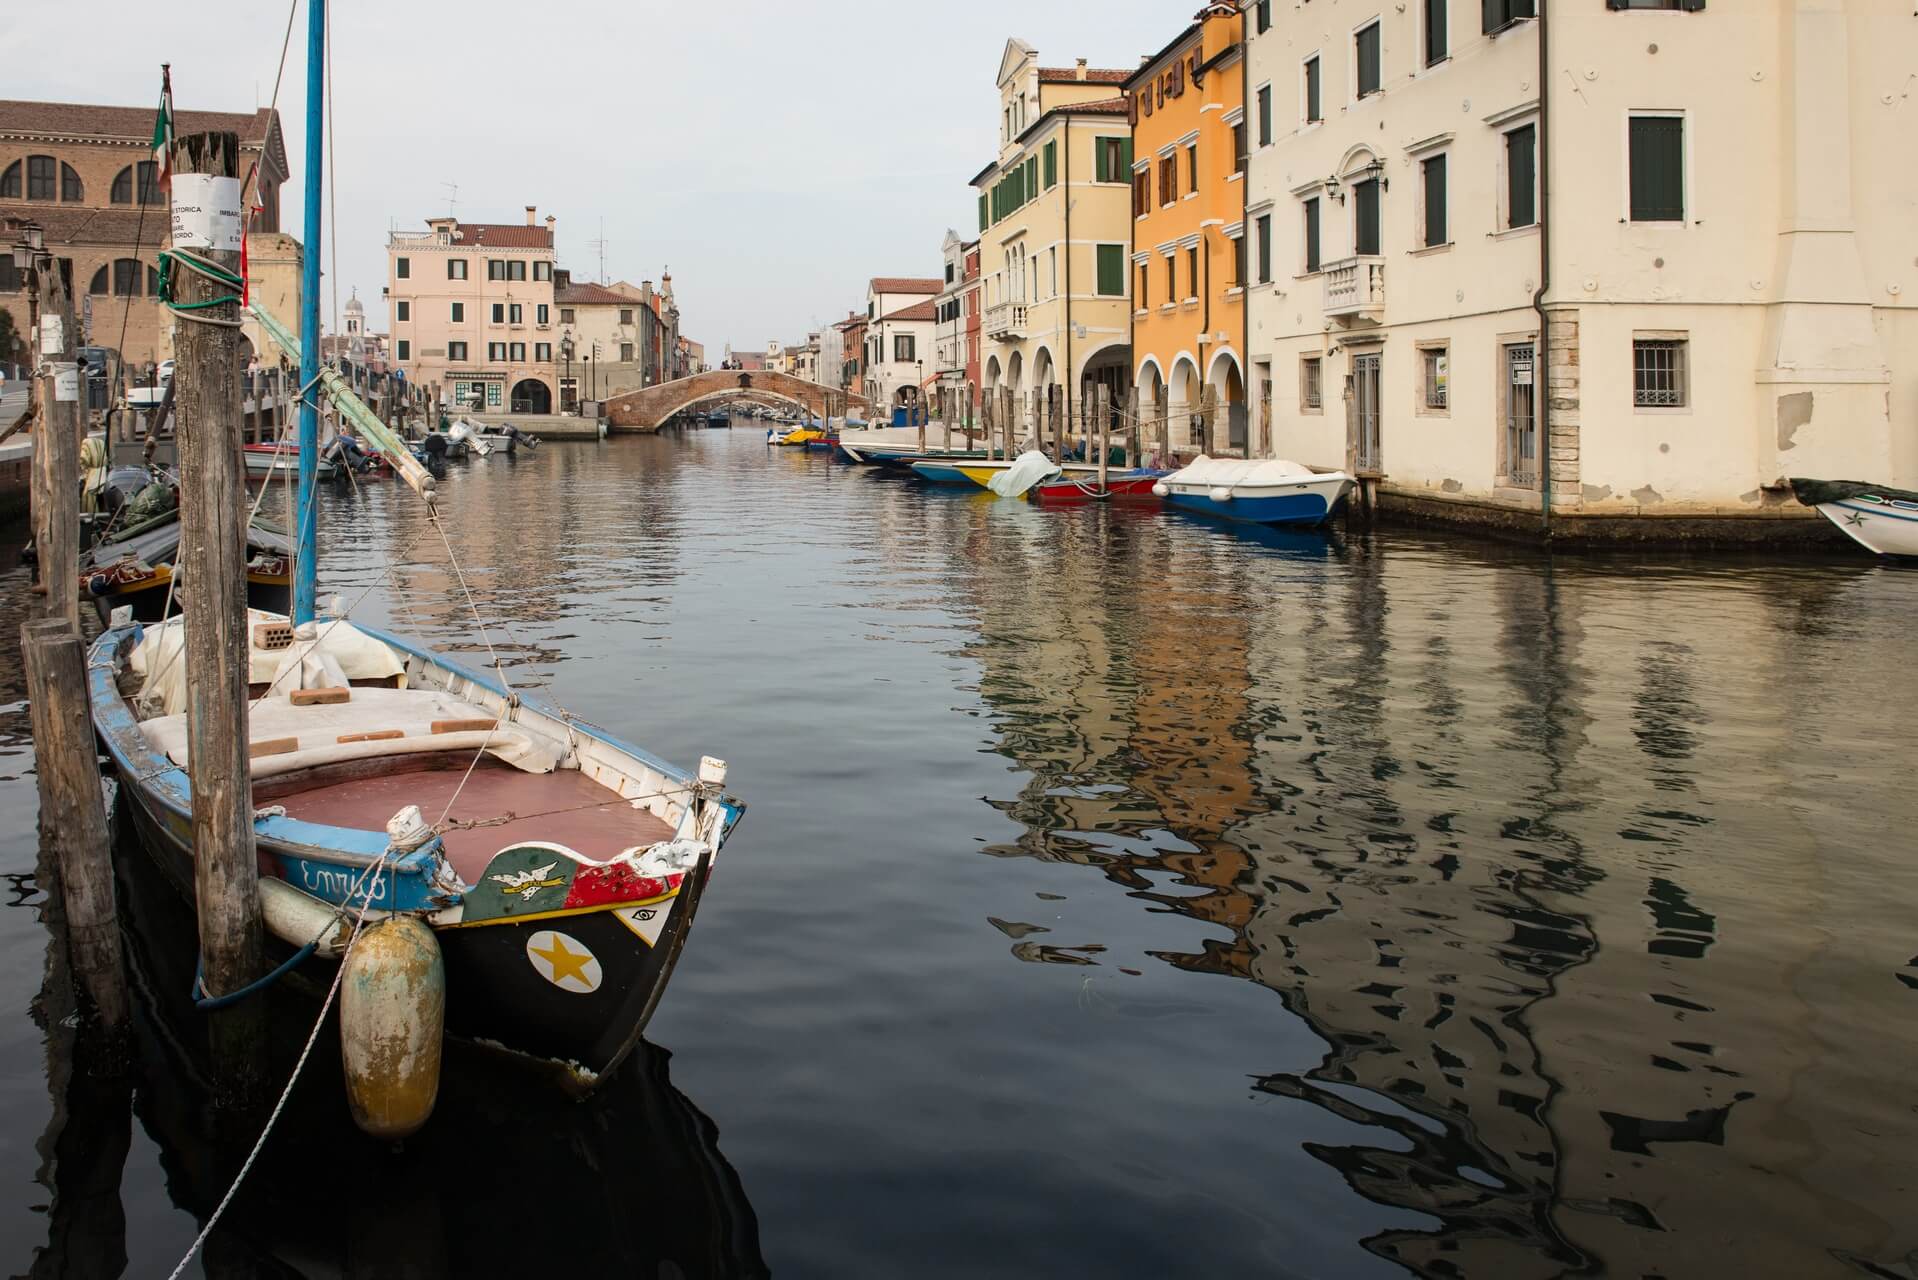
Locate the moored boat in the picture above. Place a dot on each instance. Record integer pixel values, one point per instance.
(1121, 486)
(1263, 491)
(133, 567)
(1877, 517)
(278, 463)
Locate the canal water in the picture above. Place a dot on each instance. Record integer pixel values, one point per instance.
(1121, 894)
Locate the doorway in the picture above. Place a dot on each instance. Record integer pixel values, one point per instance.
(1521, 417)
(1366, 442)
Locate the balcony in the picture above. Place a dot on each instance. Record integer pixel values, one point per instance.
(1355, 290)
(1005, 321)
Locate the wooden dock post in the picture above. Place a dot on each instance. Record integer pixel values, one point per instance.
(55, 476)
(1132, 458)
(1208, 410)
(72, 811)
(1162, 410)
(213, 556)
(1102, 411)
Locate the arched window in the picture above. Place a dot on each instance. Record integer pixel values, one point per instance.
(99, 286)
(10, 182)
(40, 177)
(148, 176)
(127, 279)
(72, 190)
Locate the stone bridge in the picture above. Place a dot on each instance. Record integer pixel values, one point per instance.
(648, 409)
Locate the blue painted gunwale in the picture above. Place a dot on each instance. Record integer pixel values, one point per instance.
(940, 472)
(1877, 509)
(1291, 508)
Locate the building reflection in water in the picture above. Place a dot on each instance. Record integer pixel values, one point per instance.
(1482, 823)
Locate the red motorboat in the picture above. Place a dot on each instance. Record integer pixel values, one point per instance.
(1121, 486)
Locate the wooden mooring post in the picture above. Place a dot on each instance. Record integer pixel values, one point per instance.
(213, 556)
(1132, 455)
(1102, 413)
(55, 475)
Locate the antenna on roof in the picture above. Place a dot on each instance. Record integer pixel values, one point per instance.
(452, 197)
(600, 244)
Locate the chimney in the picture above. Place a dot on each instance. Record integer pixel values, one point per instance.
(550, 220)
(530, 211)
(1081, 69)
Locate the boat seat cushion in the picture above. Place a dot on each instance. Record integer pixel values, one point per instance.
(373, 723)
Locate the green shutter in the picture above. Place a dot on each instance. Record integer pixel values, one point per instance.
(1032, 177)
(1658, 169)
(1112, 270)
(983, 221)
(1101, 171)
(1052, 165)
(1125, 158)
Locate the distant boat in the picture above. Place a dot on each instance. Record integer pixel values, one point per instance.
(1878, 518)
(1266, 491)
(893, 453)
(271, 460)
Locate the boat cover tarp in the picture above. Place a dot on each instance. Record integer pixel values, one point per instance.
(156, 658)
(409, 712)
(1027, 469)
(1817, 492)
(1233, 472)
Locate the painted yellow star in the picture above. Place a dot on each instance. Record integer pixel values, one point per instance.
(566, 964)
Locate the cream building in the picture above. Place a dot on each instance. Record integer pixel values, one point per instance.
(1698, 201)
(470, 307)
(900, 330)
(954, 355)
(1055, 225)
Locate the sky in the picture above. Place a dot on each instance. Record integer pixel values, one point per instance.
(774, 155)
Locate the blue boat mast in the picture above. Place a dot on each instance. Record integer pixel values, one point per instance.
(306, 562)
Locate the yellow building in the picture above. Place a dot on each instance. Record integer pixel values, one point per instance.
(1053, 231)
(1187, 106)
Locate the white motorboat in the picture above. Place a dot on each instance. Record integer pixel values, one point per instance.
(1262, 491)
(1877, 517)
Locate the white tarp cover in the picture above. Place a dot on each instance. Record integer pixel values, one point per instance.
(156, 658)
(410, 712)
(1213, 473)
(1027, 469)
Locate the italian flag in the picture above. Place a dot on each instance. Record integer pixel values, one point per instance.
(163, 128)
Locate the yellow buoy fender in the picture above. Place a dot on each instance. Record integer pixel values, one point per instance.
(392, 1023)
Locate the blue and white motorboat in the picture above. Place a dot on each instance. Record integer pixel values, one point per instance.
(1878, 518)
(1259, 491)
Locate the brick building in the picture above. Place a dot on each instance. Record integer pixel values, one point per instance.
(86, 175)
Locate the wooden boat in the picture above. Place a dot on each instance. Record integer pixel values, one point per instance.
(980, 472)
(278, 463)
(1878, 518)
(1121, 486)
(894, 454)
(941, 470)
(133, 567)
(1264, 491)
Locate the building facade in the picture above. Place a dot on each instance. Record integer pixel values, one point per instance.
(852, 358)
(956, 344)
(1055, 231)
(86, 175)
(470, 307)
(1187, 107)
(1654, 272)
(601, 332)
(901, 321)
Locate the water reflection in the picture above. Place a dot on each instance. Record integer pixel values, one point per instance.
(1486, 833)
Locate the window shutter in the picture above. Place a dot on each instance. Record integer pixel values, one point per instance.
(1125, 154)
(984, 222)
(1658, 169)
(1520, 165)
(1435, 200)
(1132, 109)
(1101, 168)
(1492, 13)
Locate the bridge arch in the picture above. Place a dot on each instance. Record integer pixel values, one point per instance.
(649, 408)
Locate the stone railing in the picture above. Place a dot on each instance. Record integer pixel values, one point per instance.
(1006, 320)
(1355, 288)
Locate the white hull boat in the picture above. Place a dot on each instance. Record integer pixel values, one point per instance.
(1878, 518)
(1262, 491)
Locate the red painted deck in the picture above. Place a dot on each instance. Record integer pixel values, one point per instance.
(564, 807)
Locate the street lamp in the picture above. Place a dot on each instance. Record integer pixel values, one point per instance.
(566, 351)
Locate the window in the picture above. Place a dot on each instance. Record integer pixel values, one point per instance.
(1141, 194)
(1436, 362)
(985, 217)
(402, 269)
(1265, 247)
(458, 313)
(456, 351)
(1659, 373)
(543, 352)
(1365, 216)
(1311, 393)
(496, 351)
(1432, 185)
(1144, 299)
(1238, 147)
(1314, 108)
(542, 314)
(1052, 170)
(626, 315)
(456, 268)
(519, 352)
(625, 353)
(1168, 179)
(1366, 46)
(148, 175)
(1171, 281)
(499, 313)
(1264, 12)
(1238, 262)
(1658, 168)
(402, 310)
(1265, 115)
(1521, 176)
(495, 269)
(542, 271)
(126, 278)
(39, 177)
(1311, 235)
(566, 315)
(515, 313)
(1192, 272)
(405, 349)
(10, 186)
(1499, 14)
(1436, 37)
(904, 348)
(71, 189)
